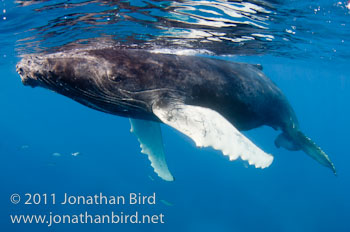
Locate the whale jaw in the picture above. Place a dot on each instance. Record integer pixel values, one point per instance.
(30, 70)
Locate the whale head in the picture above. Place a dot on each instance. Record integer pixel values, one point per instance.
(75, 75)
(59, 71)
(31, 70)
(88, 79)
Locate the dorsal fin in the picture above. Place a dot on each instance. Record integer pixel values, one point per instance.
(258, 66)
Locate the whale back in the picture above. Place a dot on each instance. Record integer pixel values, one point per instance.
(239, 91)
(127, 82)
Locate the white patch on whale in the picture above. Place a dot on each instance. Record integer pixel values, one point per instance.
(151, 143)
(207, 128)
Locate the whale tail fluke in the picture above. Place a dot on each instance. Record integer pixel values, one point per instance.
(296, 140)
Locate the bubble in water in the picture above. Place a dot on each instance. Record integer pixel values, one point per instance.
(75, 154)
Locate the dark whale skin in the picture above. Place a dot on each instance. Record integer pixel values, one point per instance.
(127, 82)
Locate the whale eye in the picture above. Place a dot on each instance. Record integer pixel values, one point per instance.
(118, 78)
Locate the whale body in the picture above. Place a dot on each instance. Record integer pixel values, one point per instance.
(209, 100)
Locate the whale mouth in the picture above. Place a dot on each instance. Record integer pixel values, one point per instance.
(29, 70)
(23, 75)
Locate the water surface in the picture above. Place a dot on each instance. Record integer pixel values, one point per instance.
(303, 47)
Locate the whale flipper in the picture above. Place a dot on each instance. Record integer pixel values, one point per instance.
(150, 137)
(207, 128)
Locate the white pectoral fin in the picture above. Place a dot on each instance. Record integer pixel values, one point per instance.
(150, 137)
(207, 128)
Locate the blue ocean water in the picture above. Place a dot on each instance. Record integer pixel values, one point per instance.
(303, 48)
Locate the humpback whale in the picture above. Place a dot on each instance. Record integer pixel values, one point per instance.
(209, 100)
